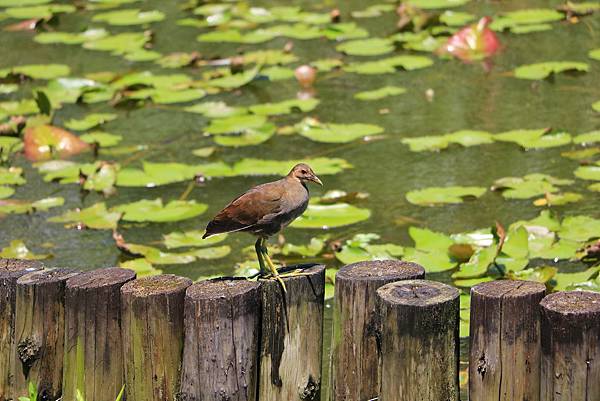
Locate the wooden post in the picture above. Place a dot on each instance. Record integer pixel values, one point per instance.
(220, 352)
(291, 348)
(10, 271)
(571, 346)
(354, 364)
(419, 341)
(93, 346)
(505, 353)
(152, 328)
(37, 347)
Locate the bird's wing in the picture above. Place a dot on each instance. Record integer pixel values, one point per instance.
(247, 210)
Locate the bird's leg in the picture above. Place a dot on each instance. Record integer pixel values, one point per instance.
(271, 264)
(259, 249)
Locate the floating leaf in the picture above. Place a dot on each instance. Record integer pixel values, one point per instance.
(39, 12)
(366, 47)
(247, 137)
(69, 38)
(190, 239)
(544, 70)
(22, 206)
(595, 54)
(541, 274)
(90, 121)
(566, 280)
(204, 152)
(155, 211)
(359, 248)
(478, 264)
(456, 18)
(141, 267)
(158, 257)
(284, 107)
(103, 139)
(528, 186)
(129, 17)
(330, 216)
(155, 174)
(431, 143)
(432, 4)
(588, 173)
(535, 138)
(234, 80)
(432, 261)
(579, 228)
(6, 192)
(380, 93)
(37, 71)
(440, 195)
(95, 216)
(216, 110)
(335, 133)
(121, 43)
(11, 176)
(587, 138)
(518, 18)
(235, 36)
(314, 247)
(389, 65)
(596, 106)
(434, 143)
(18, 107)
(18, 250)
(235, 124)
(45, 141)
(558, 199)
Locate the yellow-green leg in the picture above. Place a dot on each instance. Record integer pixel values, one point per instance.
(270, 263)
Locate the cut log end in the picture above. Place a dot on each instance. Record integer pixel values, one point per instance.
(10, 266)
(50, 276)
(155, 285)
(381, 270)
(508, 288)
(417, 293)
(101, 278)
(220, 288)
(573, 303)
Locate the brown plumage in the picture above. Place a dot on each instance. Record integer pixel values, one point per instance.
(266, 209)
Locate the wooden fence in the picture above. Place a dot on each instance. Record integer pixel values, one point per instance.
(86, 336)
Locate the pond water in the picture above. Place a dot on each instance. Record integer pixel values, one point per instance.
(448, 96)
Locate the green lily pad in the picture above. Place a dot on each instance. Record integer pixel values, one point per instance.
(558, 199)
(102, 179)
(39, 12)
(69, 38)
(587, 138)
(122, 43)
(581, 154)
(528, 186)
(236, 36)
(366, 47)
(18, 107)
(596, 106)
(595, 54)
(158, 257)
(95, 216)
(129, 17)
(525, 17)
(432, 261)
(331, 216)
(566, 280)
(312, 249)
(103, 139)
(456, 18)
(9, 145)
(37, 71)
(18, 250)
(464, 138)
(284, 107)
(6, 192)
(180, 239)
(90, 121)
(380, 93)
(544, 70)
(521, 29)
(439, 195)
(433, 4)
(156, 174)
(235, 124)
(6, 89)
(535, 138)
(588, 173)
(11, 176)
(21, 3)
(141, 267)
(204, 152)
(375, 10)
(154, 210)
(335, 133)
(247, 137)
(430, 143)
(277, 73)
(579, 228)
(22, 206)
(216, 110)
(594, 187)
(426, 239)
(327, 64)
(359, 248)
(541, 274)
(233, 81)
(478, 264)
(168, 96)
(389, 65)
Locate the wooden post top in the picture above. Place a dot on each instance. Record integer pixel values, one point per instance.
(419, 293)
(573, 303)
(155, 285)
(375, 270)
(47, 276)
(512, 288)
(221, 288)
(100, 278)
(8, 266)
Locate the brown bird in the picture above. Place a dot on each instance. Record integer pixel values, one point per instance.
(265, 210)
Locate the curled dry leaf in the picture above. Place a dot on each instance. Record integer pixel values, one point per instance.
(44, 142)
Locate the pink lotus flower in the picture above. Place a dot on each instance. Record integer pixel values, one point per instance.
(473, 42)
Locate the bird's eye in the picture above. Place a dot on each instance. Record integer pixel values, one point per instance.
(304, 172)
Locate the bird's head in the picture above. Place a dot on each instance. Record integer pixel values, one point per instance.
(304, 173)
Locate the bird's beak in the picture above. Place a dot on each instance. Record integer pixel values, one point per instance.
(316, 180)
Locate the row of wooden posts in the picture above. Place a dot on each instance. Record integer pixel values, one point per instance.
(395, 337)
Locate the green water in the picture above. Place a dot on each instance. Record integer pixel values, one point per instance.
(466, 97)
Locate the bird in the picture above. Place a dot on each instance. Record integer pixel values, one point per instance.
(266, 209)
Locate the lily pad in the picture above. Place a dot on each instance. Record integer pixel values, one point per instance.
(180, 239)
(595, 54)
(103, 139)
(141, 267)
(11, 176)
(525, 17)
(366, 47)
(380, 93)
(235, 124)
(37, 71)
(232, 81)
(284, 107)
(439, 195)
(155, 174)
(18, 107)
(528, 186)
(216, 110)
(596, 106)
(90, 121)
(360, 248)
(588, 173)
(45, 141)
(157, 257)
(335, 133)
(18, 250)
(45, 11)
(433, 4)
(23, 206)
(389, 65)
(95, 216)
(566, 280)
(129, 17)
(557, 199)
(587, 138)
(147, 210)
(579, 228)
(247, 137)
(535, 138)
(456, 18)
(478, 264)
(544, 70)
(331, 216)
(69, 38)
(122, 43)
